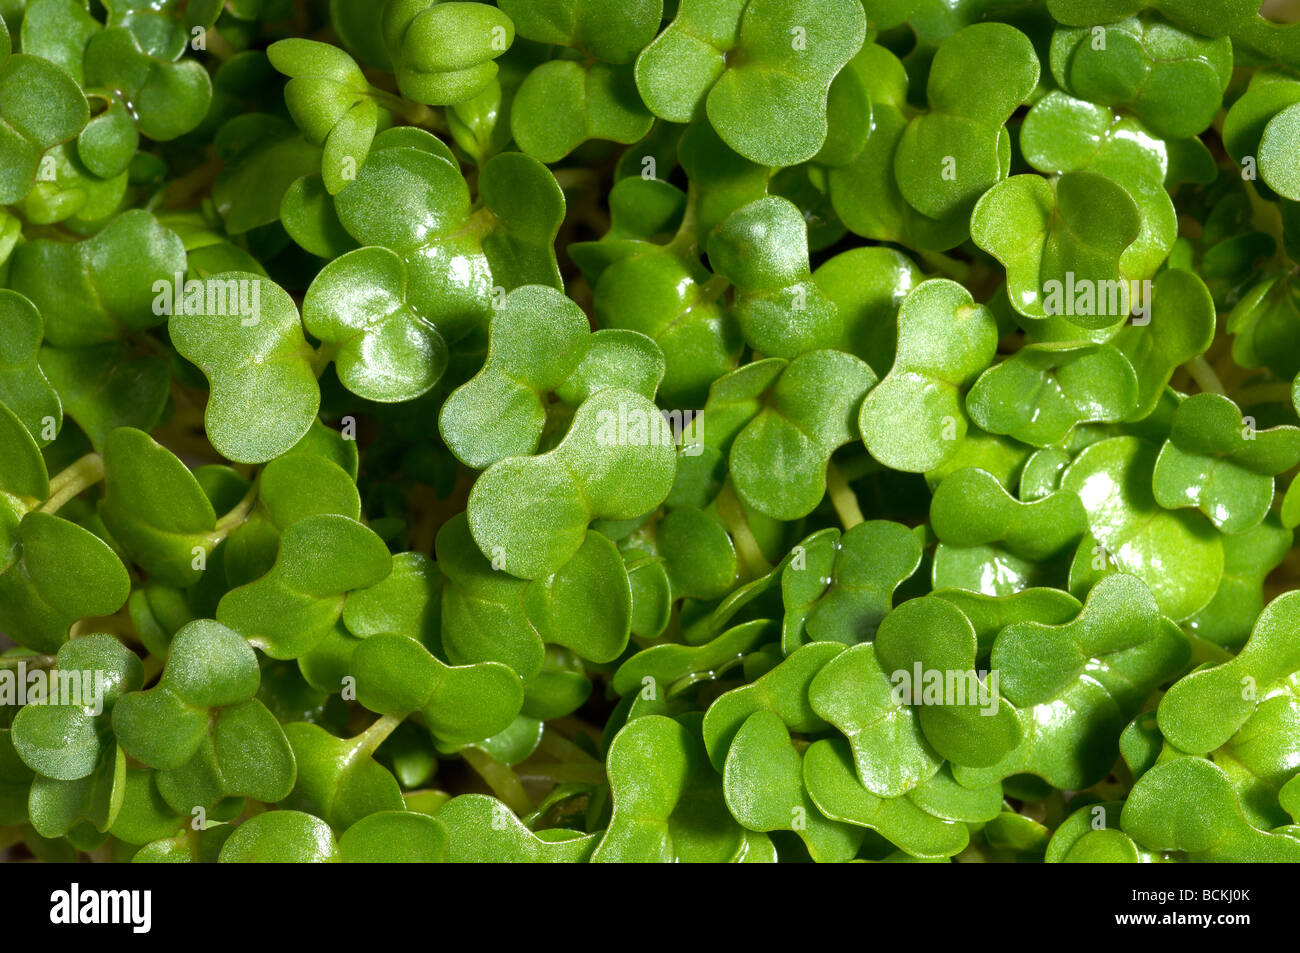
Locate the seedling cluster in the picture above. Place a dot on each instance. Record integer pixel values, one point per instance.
(649, 430)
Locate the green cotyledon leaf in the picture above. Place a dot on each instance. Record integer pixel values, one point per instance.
(60, 808)
(1262, 324)
(1187, 804)
(1216, 461)
(763, 780)
(1179, 327)
(1100, 667)
(798, 412)
(338, 778)
(539, 345)
(292, 487)
(168, 99)
(674, 302)
(394, 837)
(395, 675)
(761, 248)
(483, 617)
(643, 214)
(41, 106)
(929, 650)
(64, 738)
(107, 386)
(947, 157)
(559, 689)
(783, 691)
(612, 34)
(1277, 161)
(56, 574)
(490, 615)
(724, 180)
(1172, 79)
(616, 462)
(1061, 242)
(971, 508)
(109, 141)
(868, 285)
(1259, 758)
(778, 461)
(652, 598)
(1177, 553)
(245, 754)
(991, 614)
(1092, 835)
(67, 191)
(562, 104)
(699, 556)
(834, 787)
(329, 99)
(23, 476)
(163, 29)
(263, 156)
(1203, 710)
(384, 349)
(586, 604)
(842, 586)
(481, 829)
(1062, 134)
(1248, 559)
(287, 611)
(155, 508)
(408, 601)
(24, 388)
(57, 31)
(281, 837)
(1043, 391)
(889, 751)
(1042, 471)
(915, 418)
(455, 254)
(444, 53)
(658, 667)
(97, 290)
(761, 70)
(864, 192)
(307, 213)
(1271, 92)
(243, 331)
(667, 799)
(144, 816)
(201, 726)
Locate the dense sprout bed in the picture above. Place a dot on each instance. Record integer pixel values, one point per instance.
(649, 430)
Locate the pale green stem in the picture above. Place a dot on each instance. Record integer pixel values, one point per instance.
(30, 661)
(72, 481)
(554, 773)
(415, 113)
(369, 740)
(574, 179)
(747, 548)
(843, 498)
(950, 267)
(218, 45)
(1269, 393)
(684, 242)
(562, 749)
(855, 468)
(503, 781)
(236, 517)
(1204, 375)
